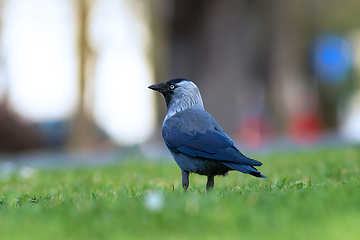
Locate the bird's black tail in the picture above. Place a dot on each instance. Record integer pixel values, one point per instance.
(244, 169)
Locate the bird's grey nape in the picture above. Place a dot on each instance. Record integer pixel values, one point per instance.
(185, 95)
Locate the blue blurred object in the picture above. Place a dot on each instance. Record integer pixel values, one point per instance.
(331, 58)
(54, 132)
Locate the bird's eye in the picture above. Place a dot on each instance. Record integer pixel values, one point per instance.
(172, 86)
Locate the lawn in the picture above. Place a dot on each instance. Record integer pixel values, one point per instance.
(311, 194)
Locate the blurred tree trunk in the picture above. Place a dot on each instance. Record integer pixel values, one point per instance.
(83, 134)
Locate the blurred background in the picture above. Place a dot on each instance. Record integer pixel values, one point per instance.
(74, 74)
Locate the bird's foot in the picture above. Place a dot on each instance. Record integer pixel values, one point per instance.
(185, 179)
(210, 183)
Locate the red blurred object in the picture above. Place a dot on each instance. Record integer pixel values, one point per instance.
(305, 127)
(254, 131)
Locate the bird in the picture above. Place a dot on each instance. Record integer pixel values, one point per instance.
(195, 140)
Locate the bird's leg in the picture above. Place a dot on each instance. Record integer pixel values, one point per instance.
(185, 179)
(210, 183)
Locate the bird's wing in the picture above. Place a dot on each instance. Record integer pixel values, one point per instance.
(211, 143)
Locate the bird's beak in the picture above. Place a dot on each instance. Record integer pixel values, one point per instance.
(160, 87)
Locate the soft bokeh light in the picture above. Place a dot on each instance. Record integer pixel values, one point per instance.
(332, 57)
(40, 56)
(26, 172)
(154, 202)
(39, 49)
(2, 83)
(123, 105)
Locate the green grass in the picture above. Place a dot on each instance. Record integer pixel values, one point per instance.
(109, 202)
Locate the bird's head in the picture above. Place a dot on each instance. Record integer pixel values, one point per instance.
(179, 95)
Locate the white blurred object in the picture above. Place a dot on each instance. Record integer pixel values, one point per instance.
(26, 172)
(2, 82)
(349, 113)
(120, 36)
(40, 56)
(154, 202)
(350, 120)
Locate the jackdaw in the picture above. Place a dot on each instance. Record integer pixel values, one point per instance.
(193, 137)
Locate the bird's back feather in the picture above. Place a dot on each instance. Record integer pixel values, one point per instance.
(195, 133)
